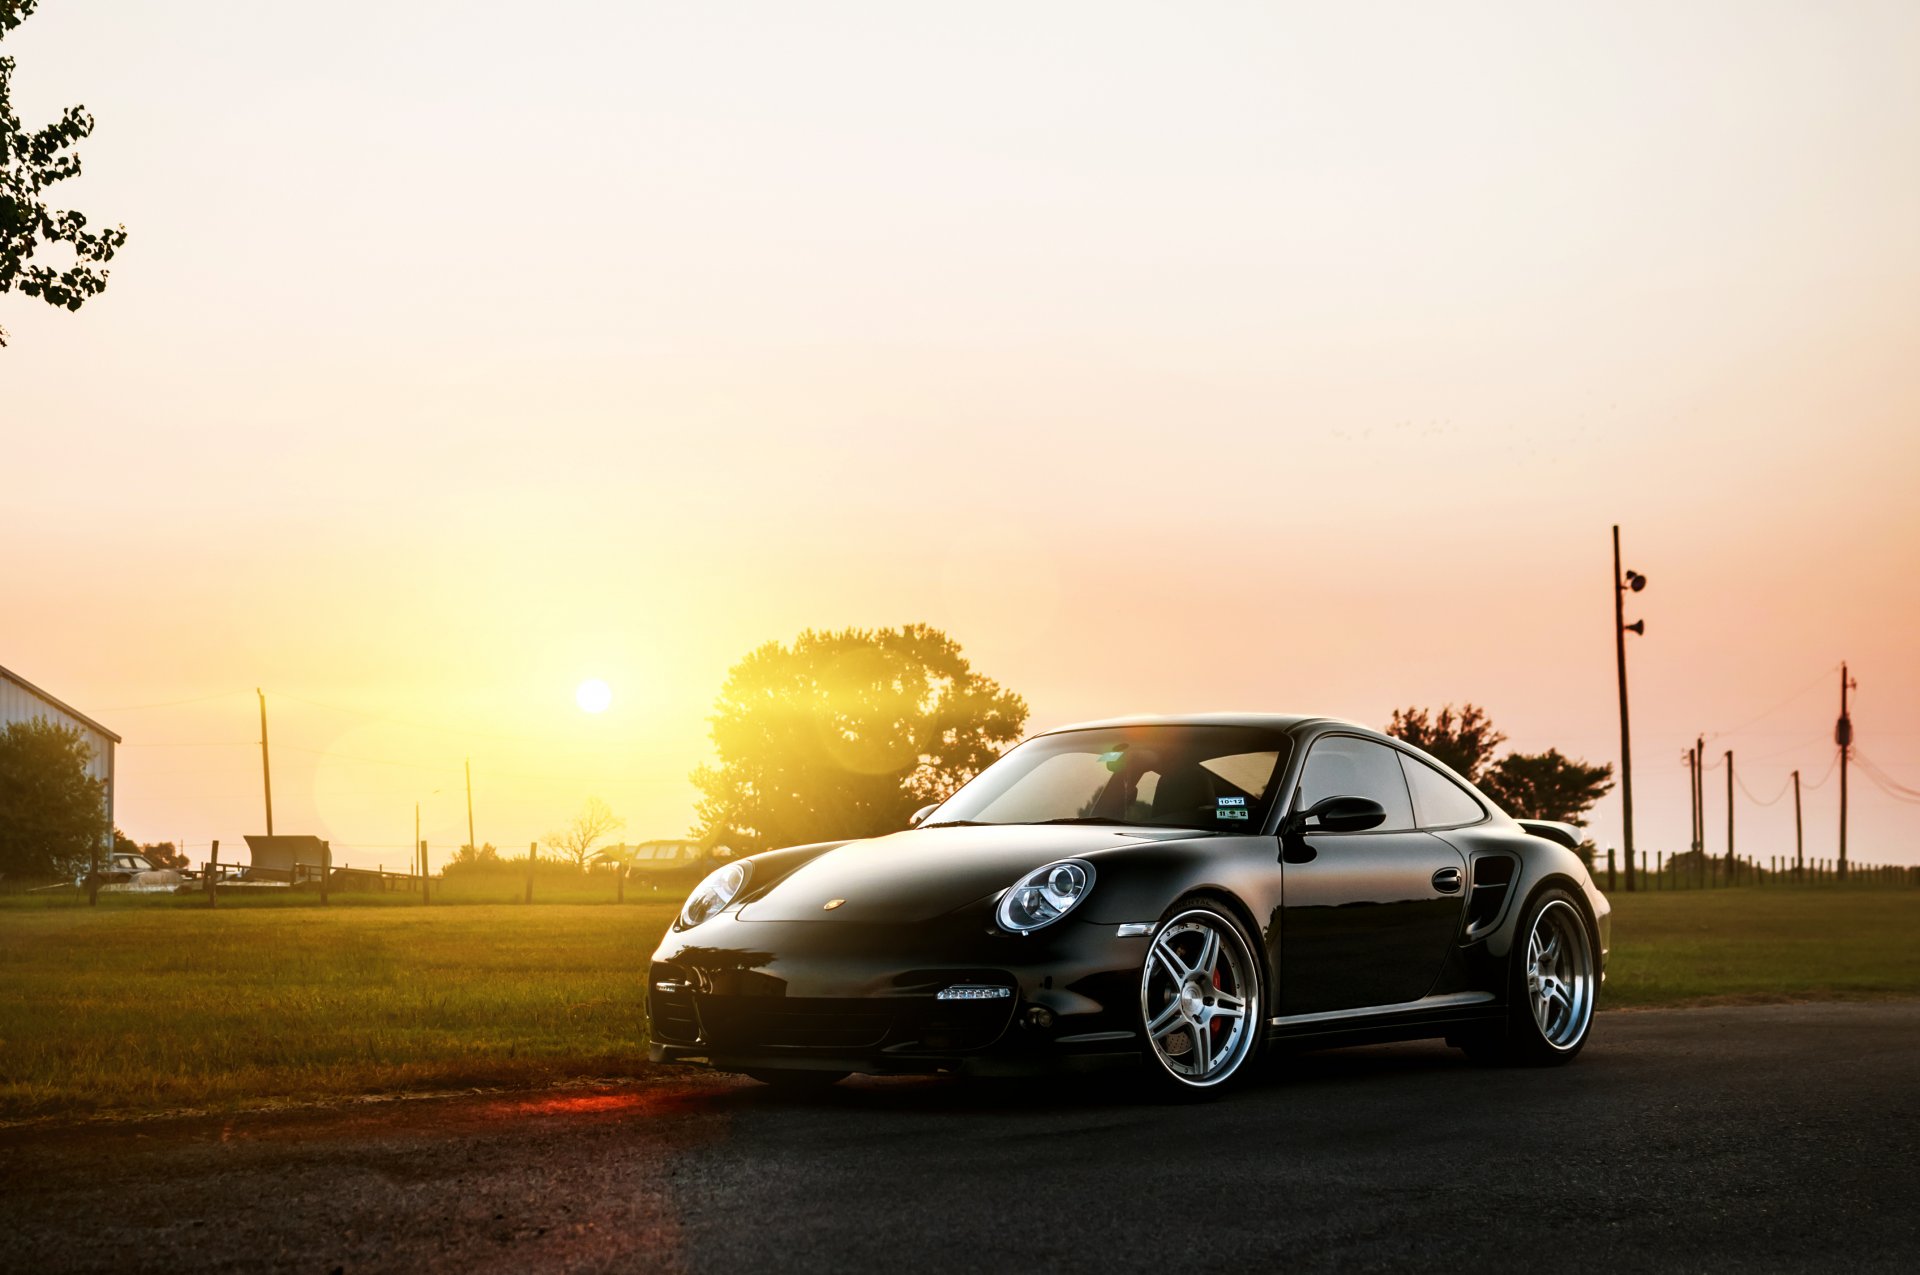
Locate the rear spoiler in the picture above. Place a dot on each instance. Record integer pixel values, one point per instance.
(1564, 833)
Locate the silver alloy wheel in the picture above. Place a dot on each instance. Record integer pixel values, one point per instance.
(1559, 975)
(1200, 998)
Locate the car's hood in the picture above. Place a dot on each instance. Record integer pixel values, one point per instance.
(928, 872)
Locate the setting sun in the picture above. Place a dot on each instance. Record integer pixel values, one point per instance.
(593, 695)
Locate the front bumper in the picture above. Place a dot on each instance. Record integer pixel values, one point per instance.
(822, 995)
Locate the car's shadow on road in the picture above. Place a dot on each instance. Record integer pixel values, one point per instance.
(1278, 1075)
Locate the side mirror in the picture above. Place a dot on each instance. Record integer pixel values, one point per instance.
(1341, 814)
(919, 816)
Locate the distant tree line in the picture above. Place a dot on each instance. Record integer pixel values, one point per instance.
(1547, 785)
(836, 735)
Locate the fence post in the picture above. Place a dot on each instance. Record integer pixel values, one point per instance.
(423, 872)
(1609, 867)
(326, 869)
(533, 848)
(620, 885)
(213, 875)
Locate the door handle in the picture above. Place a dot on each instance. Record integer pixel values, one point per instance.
(1447, 880)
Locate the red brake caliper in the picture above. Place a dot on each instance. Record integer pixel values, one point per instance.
(1211, 1034)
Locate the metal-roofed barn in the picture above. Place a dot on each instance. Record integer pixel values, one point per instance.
(22, 701)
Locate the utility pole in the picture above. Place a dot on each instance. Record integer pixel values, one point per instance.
(1693, 803)
(1622, 584)
(1799, 846)
(473, 847)
(1730, 862)
(1843, 736)
(1700, 809)
(266, 771)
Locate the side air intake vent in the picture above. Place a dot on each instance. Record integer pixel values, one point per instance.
(1487, 899)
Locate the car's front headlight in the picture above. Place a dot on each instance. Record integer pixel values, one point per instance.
(1045, 895)
(720, 887)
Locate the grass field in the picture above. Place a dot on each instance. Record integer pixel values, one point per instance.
(553, 883)
(142, 1004)
(149, 1003)
(1748, 944)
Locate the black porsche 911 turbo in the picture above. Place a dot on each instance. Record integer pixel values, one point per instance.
(1170, 893)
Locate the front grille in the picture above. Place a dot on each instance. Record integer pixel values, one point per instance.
(794, 1023)
(902, 1024)
(959, 1025)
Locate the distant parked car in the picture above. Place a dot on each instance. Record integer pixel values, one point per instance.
(134, 873)
(673, 865)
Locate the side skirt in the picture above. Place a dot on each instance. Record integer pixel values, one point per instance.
(1413, 1020)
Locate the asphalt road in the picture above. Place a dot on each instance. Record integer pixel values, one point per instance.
(1768, 1138)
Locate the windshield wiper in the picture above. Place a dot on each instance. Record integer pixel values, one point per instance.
(957, 823)
(1104, 821)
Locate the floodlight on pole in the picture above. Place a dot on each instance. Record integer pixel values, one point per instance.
(1625, 582)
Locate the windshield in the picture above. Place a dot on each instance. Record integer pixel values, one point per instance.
(1215, 777)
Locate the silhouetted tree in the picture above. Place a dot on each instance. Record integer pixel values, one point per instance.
(31, 161)
(160, 854)
(468, 857)
(576, 840)
(53, 816)
(1546, 785)
(846, 734)
(1465, 741)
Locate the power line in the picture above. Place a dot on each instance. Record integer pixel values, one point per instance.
(1886, 781)
(396, 721)
(172, 703)
(1873, 777)
(1799, 744)
(372, 761)
(191, 743)
(1831, 763)
(459, 732)
(1755, 800)
(1823, 675)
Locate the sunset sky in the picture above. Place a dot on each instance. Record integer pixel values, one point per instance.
(1170, 357)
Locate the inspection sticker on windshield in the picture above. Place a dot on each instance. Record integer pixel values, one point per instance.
(1230, 812)
(1231, 801)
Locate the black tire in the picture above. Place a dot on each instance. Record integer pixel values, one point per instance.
(1168, 1001)
(1550, 1001)
(798, 1081)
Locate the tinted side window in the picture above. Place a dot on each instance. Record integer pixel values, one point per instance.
(1438, 802)
(1344, 766)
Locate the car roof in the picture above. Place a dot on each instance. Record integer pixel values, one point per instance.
(1285, 722)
